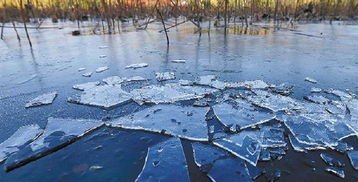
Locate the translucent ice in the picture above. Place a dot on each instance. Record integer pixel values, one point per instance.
(242, 116)
(318, 99)
(136, 78)
(353, 157)
(228, 170)
(86, 86)
(88, 74)
(335, 171)
(302, 147)
(210, 80)
(165, 161)
(114, 80)
(328, 159)
(255, 84)
(316, 90)
(22, 136)
(103, 96)
(102, 69)
(308, 79)
(185, 122)
(57, 134)
(205, 155)
(165, 76)
(44, 99)
(138, 65)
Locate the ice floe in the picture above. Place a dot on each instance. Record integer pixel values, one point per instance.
(85, 86)
(353, 157)
(210, 80)
(88, 74)
(205, 155)
(137, 65)
(81, 69)
(180, 121)
(102, 69)
(22, 136)
(163, 76)
(165, 161)
(308, 79)
(44, 99)
(57, 134)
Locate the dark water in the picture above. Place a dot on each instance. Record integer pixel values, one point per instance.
(324, 52)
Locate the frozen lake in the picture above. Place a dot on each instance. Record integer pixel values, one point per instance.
(323, 52)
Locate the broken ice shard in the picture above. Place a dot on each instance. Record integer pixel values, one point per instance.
(165, 76)
(328, 159)
(102, 96)
(88, 74)
(335, 171)
(308, 79)
(283, 89)
(44, 99)
(353, 157)
(210, 80)
(136, 78)
(102, 69)
(138, 65)
(318, 99)
(165, 161)
(242, 116)
(228, 170)
(85, 86)
(169, 93)
(316, 90)
(114, 80)
(81, 69)
(302, 147)
(271, 101)
(185, 122)
(21, 137)
(205, 155)
(57, 134)
(255, 84)
(178, 61)
(344, 96)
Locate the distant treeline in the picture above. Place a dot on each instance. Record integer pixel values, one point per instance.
(81, 10)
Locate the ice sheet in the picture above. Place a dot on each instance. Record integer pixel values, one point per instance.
(44, 99)
(163, 76)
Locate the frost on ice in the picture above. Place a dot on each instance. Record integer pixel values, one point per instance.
(165, 161)
(169, 93)
(44, 99)
(179, 121)
(57, 134)
(21, 137)
(163, 76)
(137, 65)
(353, 157)
(102, 69)
(242, 116)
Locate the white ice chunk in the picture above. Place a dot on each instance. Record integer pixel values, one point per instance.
(316, 90)
(136, 78)
(336, 171)
(165, 161)
(114, 80)
(178, 61)
(255, 84)
(344, 96)
(81, 69)
(85, 86)
(302, 147)
(103, 96)
(88, 74)
(169, 93)
(179, 121)
(138, 65)
(318, 99)
(44, 99)
(102, 69)
(22, 136)
(308, 79)
(165, 76)
(210, 80)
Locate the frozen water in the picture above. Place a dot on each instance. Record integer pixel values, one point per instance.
(102, 69)
(242, 116)
(81, 69)
(302, 147)
(255, 84)
(165, 161)
(328, 159)
(344, 96)
(204, 102)
(136, 78)
(308, 79)
(44, 99)
(85, 86)
(178, 61)
(272, 102)
(353, 157)
(283, 89)
(22, 136)
(228, 170)
(210, 80)
(165, 76)
(57, 134)
(318, 99)
(114, 80)
(335, 171)
(169, 93)
(103, 96)
(316, 90)
(138, 65)
(205, 155)
(88, 74)
(185, 122)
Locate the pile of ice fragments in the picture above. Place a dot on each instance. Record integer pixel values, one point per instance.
(232, 125)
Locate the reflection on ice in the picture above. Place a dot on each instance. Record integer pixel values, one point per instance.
(165, 161)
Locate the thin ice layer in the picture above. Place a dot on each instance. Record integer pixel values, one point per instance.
(353, 157)
(336, 171)
(330, 160)
(102, 96)
(57, 134)
(163, 76)
(169, 93)
(322, 133)
(186, 122)
(205, 155)
(308, 79)
(229, 170)
(114, 80)
(302, 147)
(85, 86)
(137, 65)
(22, 136)
(165, 161)
(44, 99)
(242, 116)
(271, 101)
(102, 69)
(210, 80)
(255, 84)
(318, 99)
